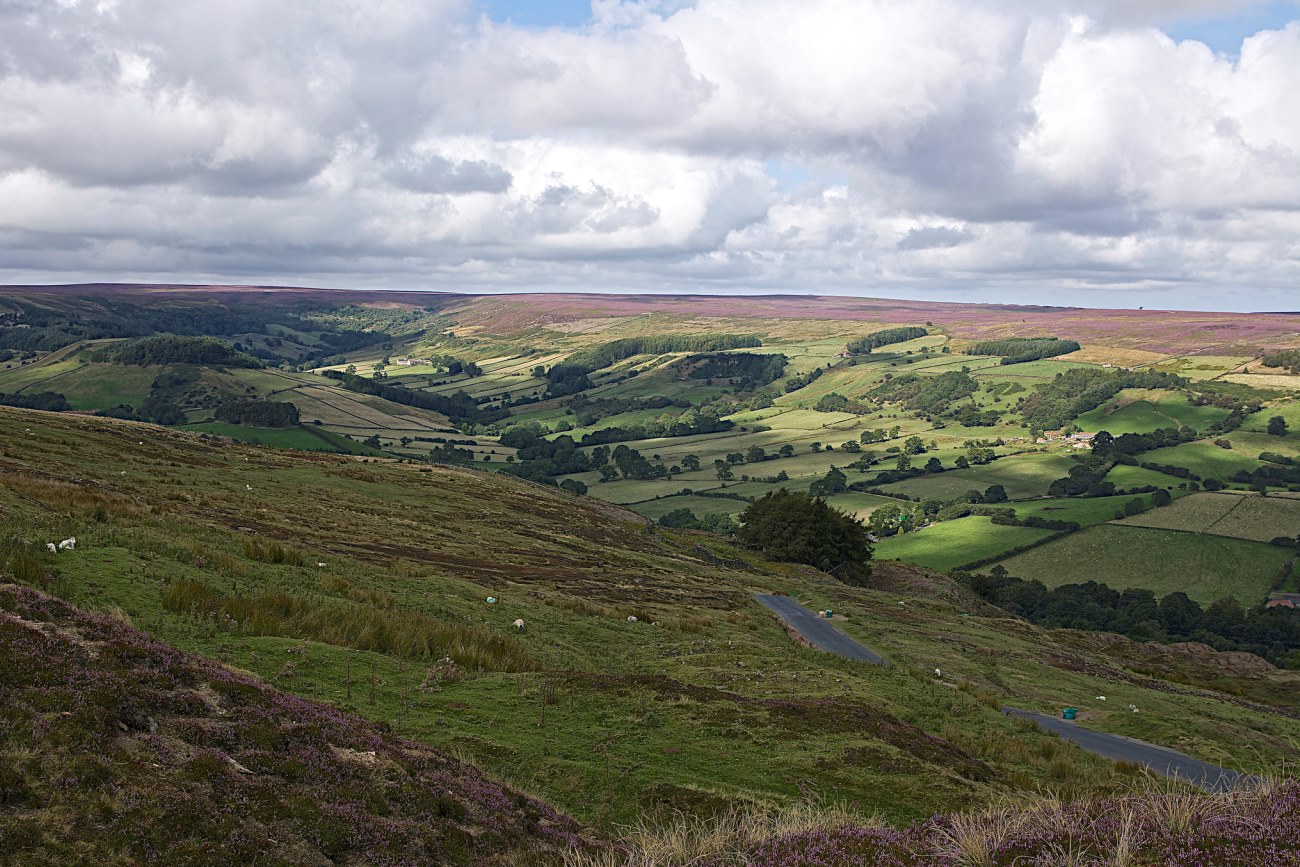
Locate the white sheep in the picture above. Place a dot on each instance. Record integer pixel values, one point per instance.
(248, 487)
(1101, 698)
(320, 564)
(68, 544)
(518, 624)
(51, 547)
(631, 618)
(938, 673)
(1133, 708)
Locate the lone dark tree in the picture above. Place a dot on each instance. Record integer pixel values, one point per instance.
(799, 528)
(995, 494)
(1277, 426)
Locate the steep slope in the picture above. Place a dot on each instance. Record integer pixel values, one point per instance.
(365, 585)
(118, 749)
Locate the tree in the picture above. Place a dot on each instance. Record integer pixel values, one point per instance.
(913, 445)
(608, 473)
(934, 465)
(904, 462)
(786, 451)
(834, 482)
(1277, 426)
(995, 494)
(1102, 442)
(1134, 506)
(962, 463)
(1179, 614)
(723, 469)
(691, 462)
(573, 485)
(755, 454)
(1161, 497)
(816, 447)
(800, 528)
(735, 458)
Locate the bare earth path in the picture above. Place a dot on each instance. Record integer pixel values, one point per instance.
(822, 634)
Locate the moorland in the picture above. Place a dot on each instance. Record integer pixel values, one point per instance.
(320, 492)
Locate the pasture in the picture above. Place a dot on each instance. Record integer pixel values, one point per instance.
(1203, 458)
(1241, 516)
(1082, 510)
(1022, 476)
(1204, 567)
(950, 544)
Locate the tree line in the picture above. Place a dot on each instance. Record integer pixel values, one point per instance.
(884, 337)
(1015, 350)
(1273, 633)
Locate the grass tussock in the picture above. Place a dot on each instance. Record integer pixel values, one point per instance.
(341, 587)
(359, 626)
(76, 499)
(682, 839)
(271, 551)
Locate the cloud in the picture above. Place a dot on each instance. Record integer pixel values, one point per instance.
(1061, 150)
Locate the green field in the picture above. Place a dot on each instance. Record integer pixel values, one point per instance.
(1206, 568)
(1241, 516)
(1142, 411)
(1023, 476)
(1124, 477)
(1203, 458)
(955, 543)
(1082, 510)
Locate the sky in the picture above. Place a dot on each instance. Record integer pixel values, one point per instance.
(1104, 153)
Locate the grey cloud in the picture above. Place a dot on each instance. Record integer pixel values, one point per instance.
(931, 237)
(437, 174)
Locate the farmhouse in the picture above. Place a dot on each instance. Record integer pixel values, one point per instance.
(413, 362)
(1283, 600)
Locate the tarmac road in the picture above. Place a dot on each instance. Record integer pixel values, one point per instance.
(821, 632)
(1161, 760)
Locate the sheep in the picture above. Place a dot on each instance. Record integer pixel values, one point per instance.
(938, 673)
(51, 547)
(1101, 698)
(68, 544)
(248, 488)
(518, 624)
(631, 618)
(1133, 708)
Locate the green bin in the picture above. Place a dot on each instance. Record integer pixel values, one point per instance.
(1069, 713)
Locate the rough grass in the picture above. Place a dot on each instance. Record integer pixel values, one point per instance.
(118, 749)
(1206, 568)
(703, 702)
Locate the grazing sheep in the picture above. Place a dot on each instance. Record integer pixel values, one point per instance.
(1133, 708)
(1101, 698)
(51, 547)
(518, 624)
(248, 487)
(938, 673)
(68, 544)
(631, 618)
(320, 564)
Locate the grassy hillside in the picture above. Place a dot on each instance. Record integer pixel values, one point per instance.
(364, 585)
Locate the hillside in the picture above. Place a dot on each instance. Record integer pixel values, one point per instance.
(364, 585)
(119, 749)
(962, 439)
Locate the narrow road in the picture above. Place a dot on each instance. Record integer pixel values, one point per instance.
(1161, 760)
(819, 631)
